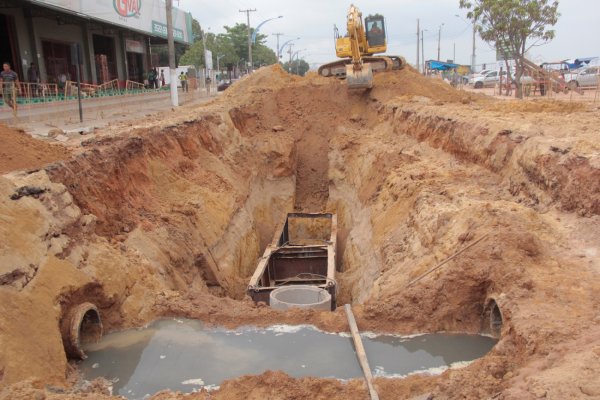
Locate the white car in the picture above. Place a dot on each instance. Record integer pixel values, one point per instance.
(586, 78)
(490, 79)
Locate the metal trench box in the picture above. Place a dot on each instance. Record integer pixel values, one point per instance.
(302, 253)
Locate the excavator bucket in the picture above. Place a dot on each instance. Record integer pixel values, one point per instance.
(362, 79)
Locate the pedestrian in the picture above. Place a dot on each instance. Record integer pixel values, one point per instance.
(155, 71)
(152, 78)
(33, 77)
(10, 86)
(183, 78)
(162, 77)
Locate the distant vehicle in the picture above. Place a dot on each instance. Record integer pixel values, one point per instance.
(223, 85)
(482, 72)
(490, 79)
(586, 78)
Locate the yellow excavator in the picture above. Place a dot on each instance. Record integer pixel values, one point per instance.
(358, 48)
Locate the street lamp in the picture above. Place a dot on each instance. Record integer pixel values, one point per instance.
(261, 24)
(283, 45)
(473, 54)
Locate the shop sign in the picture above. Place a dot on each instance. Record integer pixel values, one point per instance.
(148, 16)
(161, 29)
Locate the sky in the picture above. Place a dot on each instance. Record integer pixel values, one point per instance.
(577, 31)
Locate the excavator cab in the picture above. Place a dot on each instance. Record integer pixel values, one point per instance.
(375, 34)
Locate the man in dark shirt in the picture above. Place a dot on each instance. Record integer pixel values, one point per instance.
(10, 86)
(33, 77)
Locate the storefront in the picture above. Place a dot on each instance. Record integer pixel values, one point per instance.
(114, 36)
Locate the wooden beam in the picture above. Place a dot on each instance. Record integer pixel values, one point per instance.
(360, 353)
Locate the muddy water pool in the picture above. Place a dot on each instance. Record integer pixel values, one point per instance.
(185, 355)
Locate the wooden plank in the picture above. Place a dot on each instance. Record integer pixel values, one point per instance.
(360, 352)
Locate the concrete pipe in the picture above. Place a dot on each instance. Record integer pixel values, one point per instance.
(81, 324)
(301, 296)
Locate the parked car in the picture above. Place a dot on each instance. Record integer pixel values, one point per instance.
(481, 73)
(490, 79)
(586, 78)
(223, 85)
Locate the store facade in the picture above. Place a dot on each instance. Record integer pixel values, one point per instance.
(115, 37)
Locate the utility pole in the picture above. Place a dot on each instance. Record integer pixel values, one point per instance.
(278, 54)
(206, 71)
(290, 62)
(418, 50)
(423, 49)
(171, 46)
(248, 11)
(473, 55)
(439, 40)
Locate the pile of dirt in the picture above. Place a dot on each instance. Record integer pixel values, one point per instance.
(21, 151)
(265, 79)
(406, 82)
(409, 82)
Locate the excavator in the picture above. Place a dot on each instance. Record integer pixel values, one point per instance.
(357, 50)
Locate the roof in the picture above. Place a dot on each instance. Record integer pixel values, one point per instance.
(441, 66)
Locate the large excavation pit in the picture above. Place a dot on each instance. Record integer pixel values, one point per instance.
(438, 211)
(184, 355)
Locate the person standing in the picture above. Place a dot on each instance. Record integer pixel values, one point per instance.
(10, 86)
(33, 77)
(183, 78)
(162, 77)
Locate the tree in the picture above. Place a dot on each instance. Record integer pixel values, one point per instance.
(219, 45)
(510, 24)
(261, 54)
(232, 45)
(298, 67)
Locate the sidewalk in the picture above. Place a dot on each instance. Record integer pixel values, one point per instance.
(40, 119)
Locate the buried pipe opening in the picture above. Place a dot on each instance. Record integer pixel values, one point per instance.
(494, 316)
(81, 325)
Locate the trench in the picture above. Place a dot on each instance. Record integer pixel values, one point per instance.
(201, 201)
(185, 355)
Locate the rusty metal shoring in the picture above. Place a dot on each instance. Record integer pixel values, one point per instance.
(308, 274)
(290, 243)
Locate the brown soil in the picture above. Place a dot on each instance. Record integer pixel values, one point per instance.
(168, 218)
(20, 151)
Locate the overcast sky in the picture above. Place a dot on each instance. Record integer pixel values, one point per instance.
(577, 32)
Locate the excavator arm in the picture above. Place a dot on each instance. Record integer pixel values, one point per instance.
(358, 74)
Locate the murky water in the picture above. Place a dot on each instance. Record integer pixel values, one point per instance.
(184, 355)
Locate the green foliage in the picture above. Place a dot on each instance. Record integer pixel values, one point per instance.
(510, 24)
(232, 45)
(298, 67)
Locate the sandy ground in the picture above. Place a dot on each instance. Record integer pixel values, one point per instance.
(166, 216)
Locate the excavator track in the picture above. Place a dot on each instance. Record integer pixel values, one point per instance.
(337, 68)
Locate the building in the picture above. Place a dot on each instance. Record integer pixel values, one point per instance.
(115, 37)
